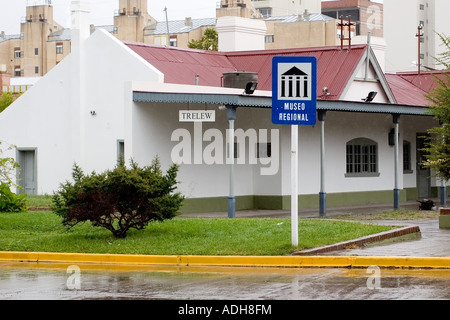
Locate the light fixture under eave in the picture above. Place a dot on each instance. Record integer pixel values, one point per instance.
(250, 87)
(370, 96)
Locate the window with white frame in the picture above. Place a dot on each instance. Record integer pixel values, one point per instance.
(17, 53)
(362, 158)
(59, 48)
(269, 38)
(17, 71)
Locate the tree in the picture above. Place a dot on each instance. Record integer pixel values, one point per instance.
(438, 146)
(9, 201)
(5, 100)
(8, 165)
(209, 41)
(119, 199)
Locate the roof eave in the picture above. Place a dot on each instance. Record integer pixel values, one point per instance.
(261, 99)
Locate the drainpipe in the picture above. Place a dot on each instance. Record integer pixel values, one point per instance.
(396, 119)
(443, 193)
(322, 194)
(231, 114)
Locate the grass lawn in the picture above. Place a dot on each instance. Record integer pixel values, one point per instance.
(43, 232)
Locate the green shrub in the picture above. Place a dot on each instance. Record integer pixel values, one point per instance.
(9, 201)
(119, 199)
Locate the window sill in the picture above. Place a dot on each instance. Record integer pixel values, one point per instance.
(362, 175)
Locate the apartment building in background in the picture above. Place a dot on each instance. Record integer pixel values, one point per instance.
(366, 14)
(402, 19)
(43, 43)
(277, 8)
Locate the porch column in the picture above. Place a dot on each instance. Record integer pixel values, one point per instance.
(231, 114)
(443, 189)
(322, 193)
(396, 120)
(443, 193)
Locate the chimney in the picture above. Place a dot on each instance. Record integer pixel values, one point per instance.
(240, 34)
(188, 22)
(80, 23)
(80, 29)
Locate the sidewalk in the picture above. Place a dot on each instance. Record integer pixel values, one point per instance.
(433, 242)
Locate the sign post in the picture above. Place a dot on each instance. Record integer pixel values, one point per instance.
(294, 103)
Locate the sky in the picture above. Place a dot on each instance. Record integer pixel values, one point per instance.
(102, 11)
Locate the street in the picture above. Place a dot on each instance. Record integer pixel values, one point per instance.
(38, 281)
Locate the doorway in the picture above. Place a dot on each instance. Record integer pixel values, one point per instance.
(27, 178)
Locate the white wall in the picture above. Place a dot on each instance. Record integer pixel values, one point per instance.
(41, 119)
(64, 132)
(154, 123)
(153, 126)
(110, 66)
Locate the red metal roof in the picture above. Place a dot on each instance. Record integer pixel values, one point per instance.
(335, 69)
(409, 88)
(180, 66)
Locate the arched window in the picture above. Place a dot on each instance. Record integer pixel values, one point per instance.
(362, 158)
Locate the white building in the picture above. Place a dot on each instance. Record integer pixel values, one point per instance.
(401, 21)
(108, 98)
(277, 8)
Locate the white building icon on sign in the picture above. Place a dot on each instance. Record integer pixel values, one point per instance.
(294, 82)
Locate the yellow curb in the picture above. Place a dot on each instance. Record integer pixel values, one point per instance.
(235, 261)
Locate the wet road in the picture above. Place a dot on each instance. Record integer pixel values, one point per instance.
(32, 281)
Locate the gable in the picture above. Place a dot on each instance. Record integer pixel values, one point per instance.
(368, 76)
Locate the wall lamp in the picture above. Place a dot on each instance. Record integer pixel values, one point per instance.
(392, 137)
(250, 87)
(370, 96)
